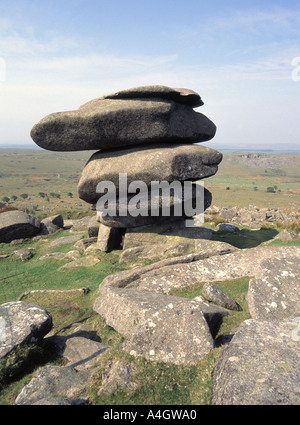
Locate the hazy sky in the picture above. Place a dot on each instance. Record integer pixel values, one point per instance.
(240, 56)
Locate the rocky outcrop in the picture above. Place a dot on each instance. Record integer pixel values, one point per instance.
(133, 304)
(252, 216)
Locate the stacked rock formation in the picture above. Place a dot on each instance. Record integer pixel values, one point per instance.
(145, 134)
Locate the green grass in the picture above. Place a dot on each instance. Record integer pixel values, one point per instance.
(17, 277)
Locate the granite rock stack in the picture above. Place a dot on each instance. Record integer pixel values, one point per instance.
(145, 134)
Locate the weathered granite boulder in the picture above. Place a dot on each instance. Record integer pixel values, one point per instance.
(214, 294)
(17, 225)
(181, 95)
(51, 381)
(260, 366)
(183, 328)
(51, 224)
(275, 293)
(22, 322)
(150, 163)
(147, 164)
(83, 244)
(111, 123)
(177, 334)
(137, 210)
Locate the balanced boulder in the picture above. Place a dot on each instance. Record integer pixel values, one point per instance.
(147, 164)
(110, 123)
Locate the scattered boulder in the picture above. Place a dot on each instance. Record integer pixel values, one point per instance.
(275, 293)
(260, 366)
(24, 323)
(51, 225)
(214, 294)
(23, 254)
(83, 244)
(287, 235)
(227, 227)
(17, 225)
(53, 255)
(49, 381)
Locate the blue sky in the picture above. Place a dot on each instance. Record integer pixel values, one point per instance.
(240, 56)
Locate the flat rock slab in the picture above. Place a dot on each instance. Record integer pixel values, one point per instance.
(65, 240)
(52, 381)
(112, 123)
(164, 162)
(17, 225)
(53, 256)
(22, 322)
(181, 95)
(276, 293)
(175, 247)
(167, 233)
(79, 352)
(260, 366)
(88, 261)
(215, 268)
(159, 327)
(175, 334)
